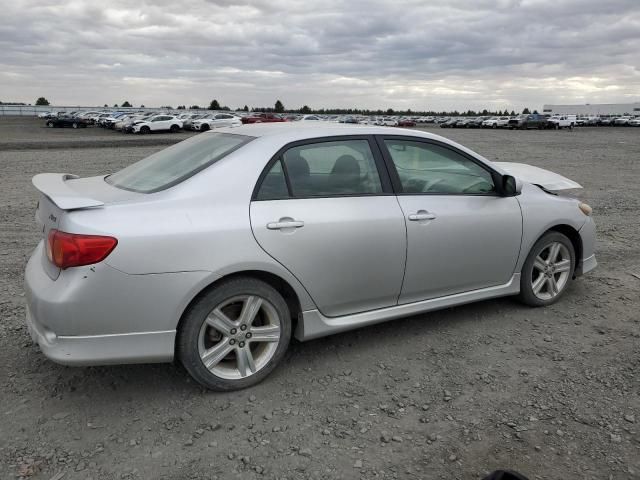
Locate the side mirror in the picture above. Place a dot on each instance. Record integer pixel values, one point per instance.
(511, 186)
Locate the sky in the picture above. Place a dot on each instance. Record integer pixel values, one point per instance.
(400, 54)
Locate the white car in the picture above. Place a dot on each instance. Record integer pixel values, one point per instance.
(216, 121)
(495, 122)
(388, 122)
(562, 121)
(622, 120)
(635, 122)
(309, 118)
(159, 123)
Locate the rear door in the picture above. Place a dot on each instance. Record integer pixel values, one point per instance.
(325, 210)
(461, 234)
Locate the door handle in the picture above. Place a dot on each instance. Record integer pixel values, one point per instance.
(285, 224)
(421, 215)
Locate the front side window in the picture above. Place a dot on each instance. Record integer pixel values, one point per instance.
(175, 164)
(433, 169)
(344, 167)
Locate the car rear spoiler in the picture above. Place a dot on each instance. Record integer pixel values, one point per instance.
(55, 187)
(538, 176)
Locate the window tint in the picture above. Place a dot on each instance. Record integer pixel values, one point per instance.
(172, 165)
(274, 185)
(344, 167)
(428, 168)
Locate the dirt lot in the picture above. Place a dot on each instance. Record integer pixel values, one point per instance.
(554, 393)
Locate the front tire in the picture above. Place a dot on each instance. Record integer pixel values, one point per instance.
(204, 127)
(235, 334)
(50, 124)
(548, 270)
(144, 130)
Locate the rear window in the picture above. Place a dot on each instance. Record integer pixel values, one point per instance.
(175, 164)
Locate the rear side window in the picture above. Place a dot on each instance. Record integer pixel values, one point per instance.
(274, 184)
(345, 167)
(175, 164)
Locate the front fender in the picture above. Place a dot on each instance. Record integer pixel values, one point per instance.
(542, 211)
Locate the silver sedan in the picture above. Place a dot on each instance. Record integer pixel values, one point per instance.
(219, 249)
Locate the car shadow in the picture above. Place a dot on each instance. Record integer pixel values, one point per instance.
(153, 381)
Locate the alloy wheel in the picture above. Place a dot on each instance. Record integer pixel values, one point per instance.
(551, 269)
(239, 337)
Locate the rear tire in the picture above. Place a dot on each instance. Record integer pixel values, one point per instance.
(174, 129)
(241, 329)
(74, 125)
(548, 270)
(50, 124)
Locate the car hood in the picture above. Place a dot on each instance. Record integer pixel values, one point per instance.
(538, 176)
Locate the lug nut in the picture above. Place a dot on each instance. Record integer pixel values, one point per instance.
(241, 344)
(248, 335)
(233, 331)
(243, 327)
(232, 342)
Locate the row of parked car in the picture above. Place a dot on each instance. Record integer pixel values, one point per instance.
(537, 121)
(168, 121)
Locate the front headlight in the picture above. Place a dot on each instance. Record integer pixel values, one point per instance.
(584, 208)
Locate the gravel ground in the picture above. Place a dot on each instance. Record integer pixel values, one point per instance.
(553, 393)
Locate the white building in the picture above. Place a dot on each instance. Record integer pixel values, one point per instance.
(601, 109)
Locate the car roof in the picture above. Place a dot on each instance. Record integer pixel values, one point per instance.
(287, 132)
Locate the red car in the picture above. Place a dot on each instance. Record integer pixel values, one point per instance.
(406, 123)
(262, 118)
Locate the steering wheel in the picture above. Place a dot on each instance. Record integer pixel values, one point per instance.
(480, 181)
(433, 184)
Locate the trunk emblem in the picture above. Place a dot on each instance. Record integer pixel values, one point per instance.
(52, 218)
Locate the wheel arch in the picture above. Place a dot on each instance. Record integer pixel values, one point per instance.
(282, 286)
(576, 240)
(572, 234)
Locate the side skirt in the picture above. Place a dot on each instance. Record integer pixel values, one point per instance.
(315, 325)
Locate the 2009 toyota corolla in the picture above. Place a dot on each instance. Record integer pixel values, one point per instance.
(220, 248)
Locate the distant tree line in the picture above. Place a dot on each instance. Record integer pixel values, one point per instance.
(279, 107)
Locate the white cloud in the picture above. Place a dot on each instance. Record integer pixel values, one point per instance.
(399, 54)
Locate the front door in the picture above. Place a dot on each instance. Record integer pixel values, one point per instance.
(461, 234)
(325, 213)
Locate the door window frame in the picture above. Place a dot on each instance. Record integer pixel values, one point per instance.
(380, 163)
(395, 177)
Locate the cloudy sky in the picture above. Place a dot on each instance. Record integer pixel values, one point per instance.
(418, 54)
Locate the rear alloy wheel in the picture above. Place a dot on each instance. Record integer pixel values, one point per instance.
(74, 125)
(174, 129)
(50, 124)
(547, 270)
(235, 334)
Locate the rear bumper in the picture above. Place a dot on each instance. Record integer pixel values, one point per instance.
(138, 347)
(97, 315)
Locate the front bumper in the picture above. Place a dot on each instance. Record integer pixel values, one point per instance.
(588, 236)
(98, 315)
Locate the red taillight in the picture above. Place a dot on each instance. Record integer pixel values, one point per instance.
(73, 250)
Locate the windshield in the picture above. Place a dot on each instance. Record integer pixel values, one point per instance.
(175, 164)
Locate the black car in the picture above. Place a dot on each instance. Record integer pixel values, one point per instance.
(451, 123)
(66, 121)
